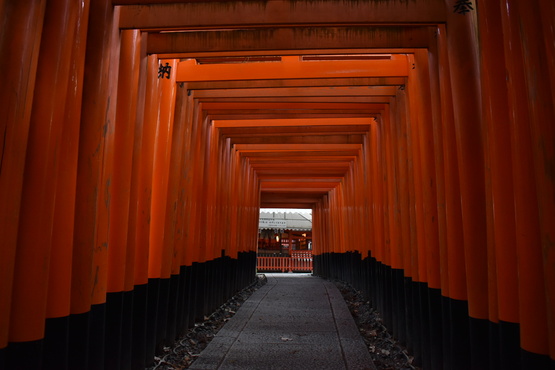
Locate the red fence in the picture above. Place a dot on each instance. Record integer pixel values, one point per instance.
(299, 261)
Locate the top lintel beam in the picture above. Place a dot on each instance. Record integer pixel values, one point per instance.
(292, 67)
(246, 14)
(292, 38)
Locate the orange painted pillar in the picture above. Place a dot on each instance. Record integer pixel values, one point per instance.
(181, 265)
(19, 41)
(124, 140)
(417, 175)
(226, 182)
(377, 193)
(457, 344)
(396, 275)
(211, 189)
(171, 259)
(412, 288)
(431, 226)
(234, 202)
(547, 201)
(88, 273)
(136, 289)
(541, 99)
(399, 119)
(424, 134)
(160, 252)
(393, 244)
(197, 161)
(368, 221)
(183, 117)
(157, 264)
(139, 142)
(59, 280)
(463, 52)
(416, 119)
(145, 289)
(404, 277)
(529, 239)
(169, 264)
(395, 178)
(146, 158)
(56, 348)
(499, 177)
(451, 251)
(38, 197)
(455, 247)
(100, 256)
(118, 309)
(437, 132)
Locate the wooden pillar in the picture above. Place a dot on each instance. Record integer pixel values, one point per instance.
(451, 251)
(171, 264)
(532, 299)
(183, 117)
(124, 137)
(404, 286)
(540, 92)
(144, 344)
(142, 231)
(159, 260)
(416, 118)
(136, 275)
(377, 193)
(171, 259)
(463, 51)
(38, 195)
(118, 311)
(91, 213)
(499, 178)
(160, 171)
(19, 53)
(56, 348)
(394, 256)
(458, 354)
(369, 222)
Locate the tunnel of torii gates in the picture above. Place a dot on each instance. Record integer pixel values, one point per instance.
(139, 139)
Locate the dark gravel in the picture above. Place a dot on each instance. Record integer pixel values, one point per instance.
(386, 353)
(187, 348)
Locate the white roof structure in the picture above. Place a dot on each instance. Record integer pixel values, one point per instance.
(285, 221)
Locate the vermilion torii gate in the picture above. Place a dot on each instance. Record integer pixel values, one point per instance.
(140, 137)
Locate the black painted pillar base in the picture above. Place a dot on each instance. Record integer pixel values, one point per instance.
(56, 344)
(3, 359)
(509, 348)
(494, 345)
(460, 335)
(189, 297)
(534, 361)
(151, 320)
(138, 345)
(97, 343)
(173, 301)
(162, 315)
(114, 316)
(24, 355)
(181, 299)
(479, 343)
(79, 340)
(436, 329)
(127, 331)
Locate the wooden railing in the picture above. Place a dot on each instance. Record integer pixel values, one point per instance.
(299, 261)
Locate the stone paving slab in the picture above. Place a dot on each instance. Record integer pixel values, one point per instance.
(295, 321)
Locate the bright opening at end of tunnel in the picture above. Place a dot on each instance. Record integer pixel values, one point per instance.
(284, 240)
